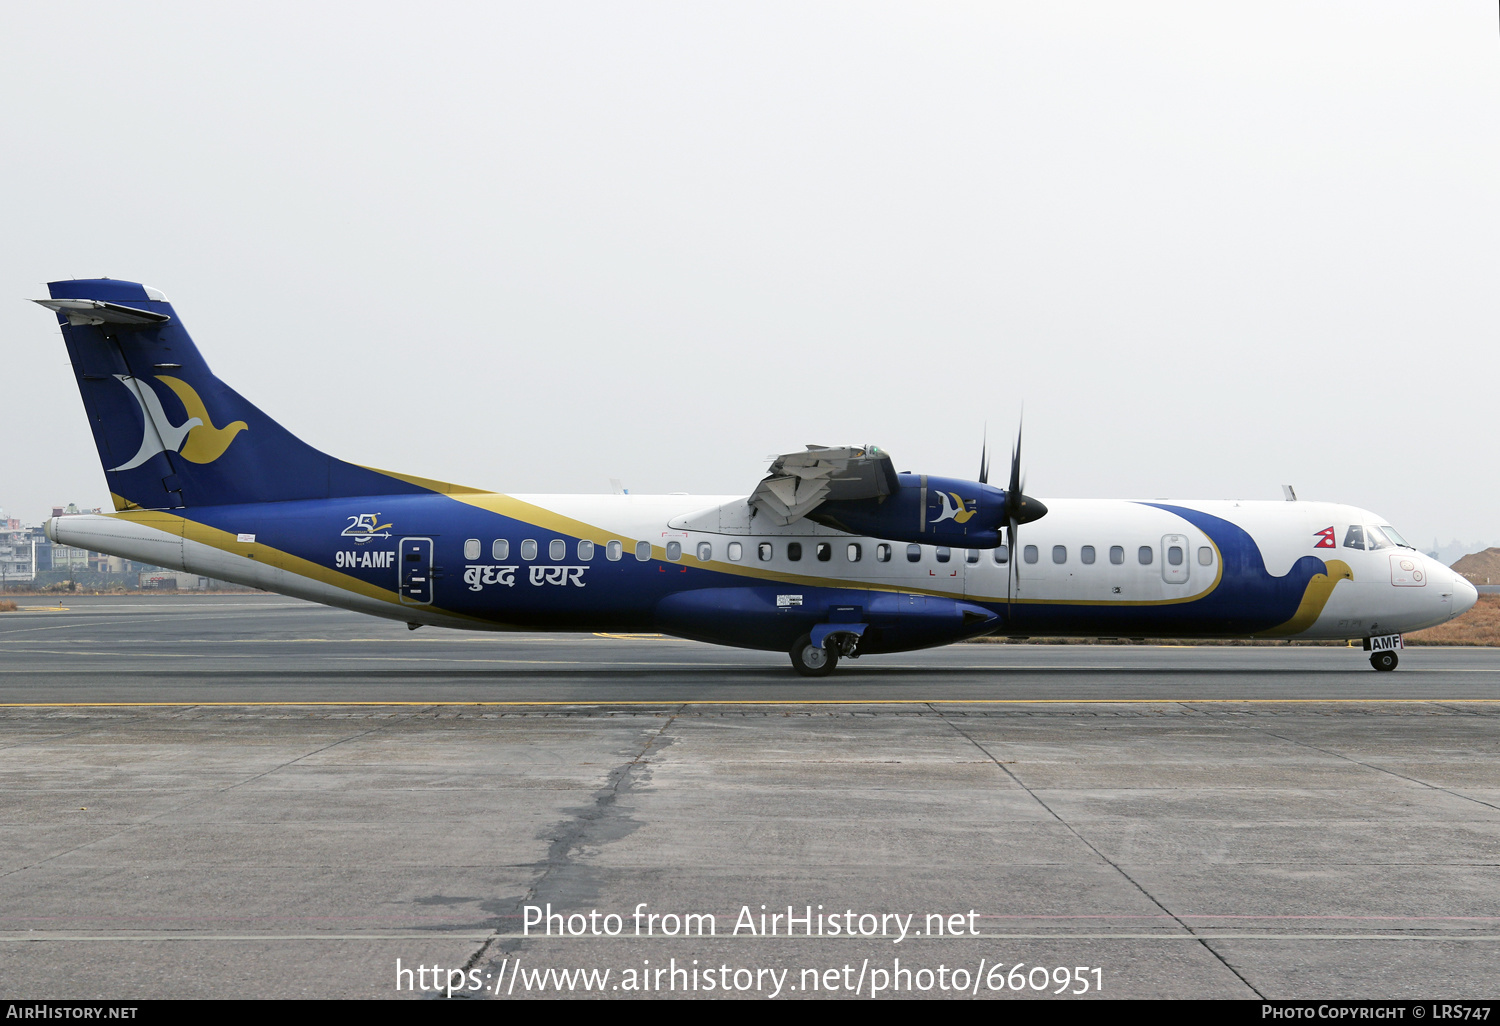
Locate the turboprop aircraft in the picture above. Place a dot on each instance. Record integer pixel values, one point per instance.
(834, 554)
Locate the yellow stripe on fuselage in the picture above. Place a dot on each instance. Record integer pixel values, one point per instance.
(546, 519)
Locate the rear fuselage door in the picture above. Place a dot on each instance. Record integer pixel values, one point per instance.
(416, 571)
(1174, 558)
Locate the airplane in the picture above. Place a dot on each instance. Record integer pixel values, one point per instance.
(833, 555)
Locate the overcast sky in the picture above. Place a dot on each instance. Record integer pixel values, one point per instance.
(1213, 248)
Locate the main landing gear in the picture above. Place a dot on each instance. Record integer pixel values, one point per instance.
(811, 660)
(1383, 660)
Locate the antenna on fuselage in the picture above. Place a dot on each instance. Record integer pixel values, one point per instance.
(1289, 492)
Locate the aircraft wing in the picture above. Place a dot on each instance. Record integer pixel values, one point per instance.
(800, 482)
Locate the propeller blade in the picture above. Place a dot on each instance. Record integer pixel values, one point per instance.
(1013, 504)
(1013, 572)
(1015, 468)
(984, 457)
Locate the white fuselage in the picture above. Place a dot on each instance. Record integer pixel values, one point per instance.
(1086, 557)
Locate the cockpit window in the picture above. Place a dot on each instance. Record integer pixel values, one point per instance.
(1395, 536)
(1355, 537)
(1375, 538)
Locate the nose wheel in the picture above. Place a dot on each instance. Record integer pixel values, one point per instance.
(811, 660)
(1384, 661)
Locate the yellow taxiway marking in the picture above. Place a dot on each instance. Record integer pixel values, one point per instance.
(47, 609)
(764, 701)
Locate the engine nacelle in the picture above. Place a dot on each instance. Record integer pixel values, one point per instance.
(926, 510)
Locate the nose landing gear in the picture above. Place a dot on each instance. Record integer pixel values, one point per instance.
(1382, 649)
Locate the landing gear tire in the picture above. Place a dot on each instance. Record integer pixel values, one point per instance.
(811, 660)
(1384, 661)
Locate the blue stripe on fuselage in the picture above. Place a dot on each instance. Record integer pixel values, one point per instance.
(625, 594)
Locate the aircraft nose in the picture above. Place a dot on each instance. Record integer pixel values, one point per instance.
(1464, 595)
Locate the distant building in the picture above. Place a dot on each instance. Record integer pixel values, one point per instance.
(17, 551)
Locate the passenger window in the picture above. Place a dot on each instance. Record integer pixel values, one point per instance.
(500, 549)
(794, 551)
(1145, 554)
(705, 552)
(914, 553)
(825, 552)
(972, 556)
(1355, 538)
(1086, 554)
(471, 548)
(1174, 555)
(528, 548)
(1059, 553)
(674, 550)
(1029, 554)
(882, 553)
(1205, 556)
(1002, 554)
(613, 551)
(765, 552)
(557, 549)
(1117, 554)
(736, 552)
(854, 552)
(642, 550)
(585, 550)
(943, 553)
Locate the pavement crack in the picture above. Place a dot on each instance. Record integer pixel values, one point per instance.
(574, 833)
(1004, 768)
(1382, 769)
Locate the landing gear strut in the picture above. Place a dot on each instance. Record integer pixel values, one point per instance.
(1383, 660)
(811, 660)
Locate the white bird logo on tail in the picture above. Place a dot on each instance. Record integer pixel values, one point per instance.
(161, 435)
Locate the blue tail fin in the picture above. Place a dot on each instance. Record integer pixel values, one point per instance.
(169, 433)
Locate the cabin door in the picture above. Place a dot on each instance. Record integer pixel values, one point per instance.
(1174, 558)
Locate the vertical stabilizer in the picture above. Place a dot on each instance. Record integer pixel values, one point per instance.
(169, 433)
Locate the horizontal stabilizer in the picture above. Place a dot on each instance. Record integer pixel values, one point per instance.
(97, 311)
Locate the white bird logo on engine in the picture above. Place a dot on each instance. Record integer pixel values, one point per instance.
(955, 511)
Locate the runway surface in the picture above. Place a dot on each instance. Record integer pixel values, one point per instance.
(249, 796)
(260, 648)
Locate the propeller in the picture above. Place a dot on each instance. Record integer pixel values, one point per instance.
(1019, 509)
(984, 457)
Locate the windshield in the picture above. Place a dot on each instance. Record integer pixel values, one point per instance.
(1395, 536)
(1376, 538)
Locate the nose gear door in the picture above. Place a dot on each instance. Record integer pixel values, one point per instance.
(416, 571)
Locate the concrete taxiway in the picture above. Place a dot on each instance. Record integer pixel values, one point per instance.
(249, 796)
